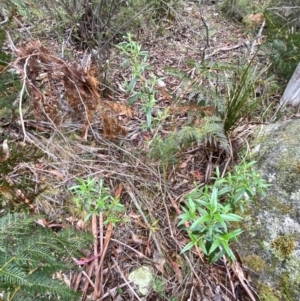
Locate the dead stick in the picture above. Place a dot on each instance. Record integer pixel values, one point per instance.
(86, 285)
(77, 282)
(101, 225)
(125, 280)
(95, 235)
(106, 242)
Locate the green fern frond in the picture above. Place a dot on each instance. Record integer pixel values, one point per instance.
(210, 131)
(31, 255)
(12, 274)
(165, 149)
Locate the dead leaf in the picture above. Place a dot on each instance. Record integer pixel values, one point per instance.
(80, 225)
(83, 261)
(42, 222)
(119, 108)
(159, 261)
(134, 215)
(58, 175)
(137, 239)
(176, 268)
(119, 190)
(5, 150)
(184, 164)
(197, 174)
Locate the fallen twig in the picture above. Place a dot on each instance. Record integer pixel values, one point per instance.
(125, 280)
(98, 290)
(256, 40)
(137, 205)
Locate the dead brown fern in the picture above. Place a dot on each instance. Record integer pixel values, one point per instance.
(59, 90)
(111, 127)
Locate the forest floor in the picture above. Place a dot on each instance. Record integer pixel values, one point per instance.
(151, 191)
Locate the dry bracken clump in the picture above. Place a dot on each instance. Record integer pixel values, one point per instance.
(60, 91)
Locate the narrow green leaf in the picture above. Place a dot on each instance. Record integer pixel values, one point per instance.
(224, 190)
(231, 217)
(191, 204)
(131, 85)
(187, 247)
(219, 218)
(202, 246)
(214, 258)
(214, 246)
(214, 200)
(229, 254)
(231, 235)
(200, 221)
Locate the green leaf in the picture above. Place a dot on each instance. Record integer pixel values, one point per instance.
(214, 246)
(134, 98)
(224, 190)
(200, 221)
(214, 200)
(202, 246)
(191, 204)
(219, 218)
(215, 256)
(187, 247)
(131, 85)
(231, 217)
(149, 117)
(227, 250)
(231, 235)
(184, 218)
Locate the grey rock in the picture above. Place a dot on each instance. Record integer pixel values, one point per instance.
(270, 243)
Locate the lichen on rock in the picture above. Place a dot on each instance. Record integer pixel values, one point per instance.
(272, 225)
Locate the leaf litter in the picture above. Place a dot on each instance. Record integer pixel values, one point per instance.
(64, 98)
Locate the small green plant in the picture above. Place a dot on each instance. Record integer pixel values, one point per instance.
(211, 208)
(241, 185)
(93, 197)
(136, 58)
(140, 87)
(159, 285)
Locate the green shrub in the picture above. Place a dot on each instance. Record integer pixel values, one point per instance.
(283, 36)
(209, 209)
(92, 197)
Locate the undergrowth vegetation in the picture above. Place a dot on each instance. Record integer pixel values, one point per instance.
(231, 96)
(211, 209)
(9, 82)
(30, 256)
(156, 131)
(283, 29)
(92, 197)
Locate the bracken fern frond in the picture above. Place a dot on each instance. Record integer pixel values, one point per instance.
(209, 132)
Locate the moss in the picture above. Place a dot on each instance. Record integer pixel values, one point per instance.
(267, 293)
(285, 209)
(284, 245)
(288, 289)
(255, 262)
